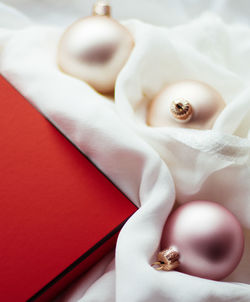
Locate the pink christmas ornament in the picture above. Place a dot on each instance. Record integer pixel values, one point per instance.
(203, 239)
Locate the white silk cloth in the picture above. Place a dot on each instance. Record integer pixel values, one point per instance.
(152, 166)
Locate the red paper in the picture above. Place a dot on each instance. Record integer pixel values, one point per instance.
(58, 212)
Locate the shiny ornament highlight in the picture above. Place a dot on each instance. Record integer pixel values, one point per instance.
(203, 239)
(189, 104)
(94, 49)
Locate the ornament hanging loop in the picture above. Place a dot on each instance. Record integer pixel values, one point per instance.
(157, 265)
(101, 8)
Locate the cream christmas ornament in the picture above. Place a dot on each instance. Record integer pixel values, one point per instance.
(189, 104)
(94, 49)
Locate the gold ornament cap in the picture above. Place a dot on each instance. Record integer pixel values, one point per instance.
(168, 260)
(102, 8)
(181, 110)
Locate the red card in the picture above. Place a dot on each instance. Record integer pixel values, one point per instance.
(58, 213)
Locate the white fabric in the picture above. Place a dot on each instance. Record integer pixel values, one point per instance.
(153, 166)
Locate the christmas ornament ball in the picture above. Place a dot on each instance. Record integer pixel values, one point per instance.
(207, 238)
(94, 49)
(188, 104)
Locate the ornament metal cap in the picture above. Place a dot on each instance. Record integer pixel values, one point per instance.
(102, 8)
(168, 260)
(181, 110)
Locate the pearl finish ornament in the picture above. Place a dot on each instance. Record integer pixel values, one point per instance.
(189, 104)
(203, 239)
(94, 49)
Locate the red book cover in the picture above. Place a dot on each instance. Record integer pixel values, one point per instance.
(58, 213)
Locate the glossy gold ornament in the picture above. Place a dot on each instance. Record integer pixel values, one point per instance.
(94, 49)
(189, 104)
